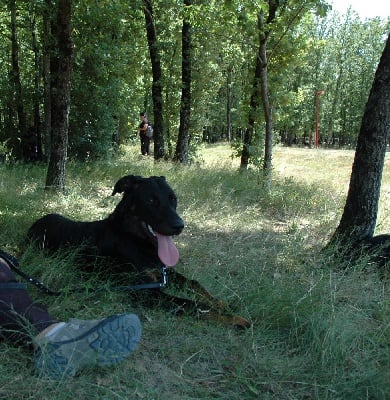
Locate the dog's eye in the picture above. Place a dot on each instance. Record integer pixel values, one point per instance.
(154, 202)
(173, 199)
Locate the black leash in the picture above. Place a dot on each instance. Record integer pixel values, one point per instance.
(14, 264)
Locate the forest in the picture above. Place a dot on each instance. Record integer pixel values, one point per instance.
(271, 125)
(320, 67)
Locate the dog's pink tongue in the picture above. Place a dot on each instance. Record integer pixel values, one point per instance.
(167, 250)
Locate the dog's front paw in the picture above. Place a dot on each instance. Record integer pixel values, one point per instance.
(233, 321)
(240, 322)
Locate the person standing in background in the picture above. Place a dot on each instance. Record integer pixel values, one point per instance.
(145, 140)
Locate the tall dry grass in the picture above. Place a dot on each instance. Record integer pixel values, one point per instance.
(320, 326)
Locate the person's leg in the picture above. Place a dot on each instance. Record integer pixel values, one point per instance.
(147, 146)
(20, 316)
(143, 146)
(63, 348)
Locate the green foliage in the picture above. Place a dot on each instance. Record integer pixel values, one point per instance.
(336, 55)
(112, 82)
(320, 325)
(106, 71)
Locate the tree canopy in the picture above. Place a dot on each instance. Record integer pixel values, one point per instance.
(112, 77)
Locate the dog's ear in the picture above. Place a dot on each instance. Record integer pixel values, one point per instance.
(126, 183)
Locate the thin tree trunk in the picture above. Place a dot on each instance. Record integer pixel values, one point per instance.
(182, 146)
(16, 78)
(229, 104)
(267, 165)
(360, 212)
(245, 153)
(61, 68)
(254, 104)
(48, 45)
(158, 128)
(168, 96)
(37, 115)
(260, 90)
(336, 107)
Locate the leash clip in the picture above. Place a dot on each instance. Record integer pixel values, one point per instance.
(164, 275)
(152, 285)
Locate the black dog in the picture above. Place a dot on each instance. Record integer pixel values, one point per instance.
(139, 231)
(138, 236)
(377, 248)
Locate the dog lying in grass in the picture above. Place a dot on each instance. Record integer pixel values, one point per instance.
(138, 237)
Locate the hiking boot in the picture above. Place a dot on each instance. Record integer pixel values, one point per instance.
(78, 344)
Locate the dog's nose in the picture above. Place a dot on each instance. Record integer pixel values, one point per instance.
(178, 227)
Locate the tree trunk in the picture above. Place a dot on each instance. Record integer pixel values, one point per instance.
(229, 104)
(16, 81)
(181, 153)
(37, 115)
(48, 46)
(361, 207)
(260, 89)
(254, 104)
(158, 127)
(61, 68)
(267, 165)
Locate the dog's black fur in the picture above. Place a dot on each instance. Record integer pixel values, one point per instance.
(378, 249)
(128, 236)
(374, 249)
(125, 234)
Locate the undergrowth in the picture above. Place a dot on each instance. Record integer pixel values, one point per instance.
(320, 328)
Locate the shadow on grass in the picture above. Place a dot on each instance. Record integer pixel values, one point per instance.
(318, 332)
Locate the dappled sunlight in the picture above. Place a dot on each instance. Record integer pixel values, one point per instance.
(258, 251)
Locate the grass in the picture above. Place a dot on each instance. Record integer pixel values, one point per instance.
(319, 331)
